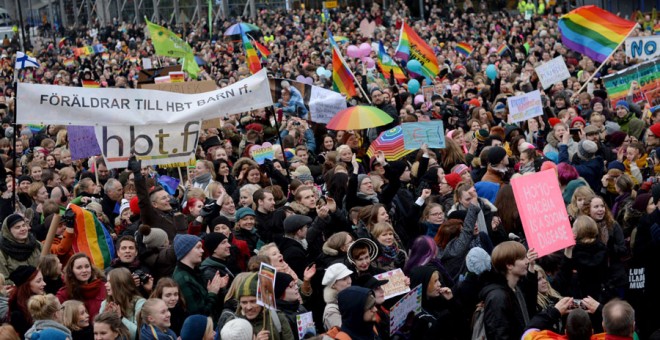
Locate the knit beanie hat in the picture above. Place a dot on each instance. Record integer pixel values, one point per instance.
(623, 103)
(524, 146)
(125, 204)
(554, 121)
(22, 274)
(482, 135)
(237, 329)
(655, 128)
(153, 237)
(616, 138)
(587, 149)
(552, 156)
(49, 334)
(453, 179)
(616, 165)
(212, 240)
(248, 287)
(495, 155)
(194, 327)
(460, 168)
(243, 212)
(477, 261)
(578, 119)
(596, 100)
(361, 177)
(282, 281)
(24, 178)
(221, 220)
(183, 244)
(12, 219)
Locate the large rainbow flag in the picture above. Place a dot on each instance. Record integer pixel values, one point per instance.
(342, 79)
(594, 32)
(386, 64)
(92, 238)
(411, 46)
(252, 59)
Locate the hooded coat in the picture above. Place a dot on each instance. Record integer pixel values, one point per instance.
(440, 318)
(351, 303)
(14, 254)
(553, 145)
(591, 170)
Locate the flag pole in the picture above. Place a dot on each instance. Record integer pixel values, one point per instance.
(353, 75)
(606, 60)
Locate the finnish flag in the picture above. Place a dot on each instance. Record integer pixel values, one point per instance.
(23, 61)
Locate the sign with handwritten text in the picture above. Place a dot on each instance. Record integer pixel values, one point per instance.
(396, 284)
(543, 212)
(525, 106)
(552, 72)
(410, 303)
(416, 134)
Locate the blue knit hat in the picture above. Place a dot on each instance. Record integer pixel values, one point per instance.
(194, 327)
(242, 212)
(49, 334)
(623, 103)
(183, 244)
(477, 261)
(616, 165)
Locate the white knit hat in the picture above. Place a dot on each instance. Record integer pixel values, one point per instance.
(236, 329)
(125, 204)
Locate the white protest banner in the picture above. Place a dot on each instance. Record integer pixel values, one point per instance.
(396, 284)
(324, 104)
(552, 72)
(130, 107)
(542, 212)
(153, 144)
(645, 48)
(410, 303)
(416, 134)
(525, 106)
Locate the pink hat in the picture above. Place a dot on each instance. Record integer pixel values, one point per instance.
(460, 169)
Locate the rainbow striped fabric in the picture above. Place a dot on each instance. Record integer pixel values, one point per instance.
(502, 49)
(92, 238)
(411, 46)
(68, 62)
(656, 29)
(92, 84)
(464, 49)
(594, 32)
(252, 59)
(263, 51)
(342, 79)
(386, 64)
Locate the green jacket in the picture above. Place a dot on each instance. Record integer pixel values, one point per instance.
(14, 254)
(285, 332)
(193, 289)
(521, 6)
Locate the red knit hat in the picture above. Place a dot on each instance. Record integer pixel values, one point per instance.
(474, 102)
(453, 179)
(135, 208)
(655, 128)
(553, 121)
(578, 119)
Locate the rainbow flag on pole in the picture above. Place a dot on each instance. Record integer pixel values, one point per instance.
(342, 78)
(411, 46)
(594, 32)
(502, 49)
(92, 238)
(386, 64)
(254, 64)
(263, 51)
(465, 49)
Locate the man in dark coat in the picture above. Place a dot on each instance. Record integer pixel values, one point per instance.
(294, 244)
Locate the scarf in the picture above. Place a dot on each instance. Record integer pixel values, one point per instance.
(603, 231)
(14, 249)
(388, 254)
(201, 181)
(431, 228)
(527, 168)
(230, 217)
(373, 198)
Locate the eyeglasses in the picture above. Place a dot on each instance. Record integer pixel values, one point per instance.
(437, 214)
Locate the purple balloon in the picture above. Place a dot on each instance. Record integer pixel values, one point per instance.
(365, 49)
(353, 51)
(370, 63)
(419, 99)
(300, 78)
(307, 80)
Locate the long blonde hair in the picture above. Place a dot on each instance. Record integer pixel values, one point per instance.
(583, 192)
(71, 315)
(543, 300)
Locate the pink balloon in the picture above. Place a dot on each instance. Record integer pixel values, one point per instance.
(300, 78)
(370, 63)
(365, 49)
(353, 51)
(419, 99)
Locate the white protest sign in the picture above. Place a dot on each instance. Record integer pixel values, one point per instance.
(396, 284)
(410, 303)
(130, 107)
(324, 104)
(525, 106)
(552, 72)
(154, 145)
(645, 48)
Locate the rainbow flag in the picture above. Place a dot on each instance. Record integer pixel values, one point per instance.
(594, 32)
(105, 56)
(342, 78)
(502, 49)
(177, 77)
(263, 51)
(68, 62)
(92, 238)
(91, 84)
(341, 39)
(386, 64)
(656, 29)
(60, 43)
(411, 46)
(464, 48)
(254, 64)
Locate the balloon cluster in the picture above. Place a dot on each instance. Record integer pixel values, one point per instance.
(323, 73)
(362, 52)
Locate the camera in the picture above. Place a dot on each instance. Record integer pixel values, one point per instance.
(144, 277)
(577, 303)
(296, 123)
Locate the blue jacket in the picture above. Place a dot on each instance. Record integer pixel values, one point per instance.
(591, 170)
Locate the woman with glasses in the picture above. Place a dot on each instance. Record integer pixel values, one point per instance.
(47, 312)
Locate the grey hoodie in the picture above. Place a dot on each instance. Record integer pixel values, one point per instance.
(40, 325)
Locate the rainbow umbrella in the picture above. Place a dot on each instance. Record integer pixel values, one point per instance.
(358, 118)
(390, 142)
(240, 28)
(340, 39)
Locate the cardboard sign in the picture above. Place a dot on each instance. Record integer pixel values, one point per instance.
(396, 285)
(305, 324)
(148, 76)
(552, 72)
(82, 142)
(524, 107)
(266, 286)
(324, 104)
(416, 134)
(261, 153)
(647, 76)
(543, 212)
(645, 48)
(410, 303)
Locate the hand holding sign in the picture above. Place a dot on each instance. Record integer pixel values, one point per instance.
(417, 134)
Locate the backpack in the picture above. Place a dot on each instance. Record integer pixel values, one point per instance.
(478, 327)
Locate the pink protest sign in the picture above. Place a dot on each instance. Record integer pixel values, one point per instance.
(542, 212)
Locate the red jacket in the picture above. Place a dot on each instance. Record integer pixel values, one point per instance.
(92, 295)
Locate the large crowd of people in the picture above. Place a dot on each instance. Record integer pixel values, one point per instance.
(323, 212)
